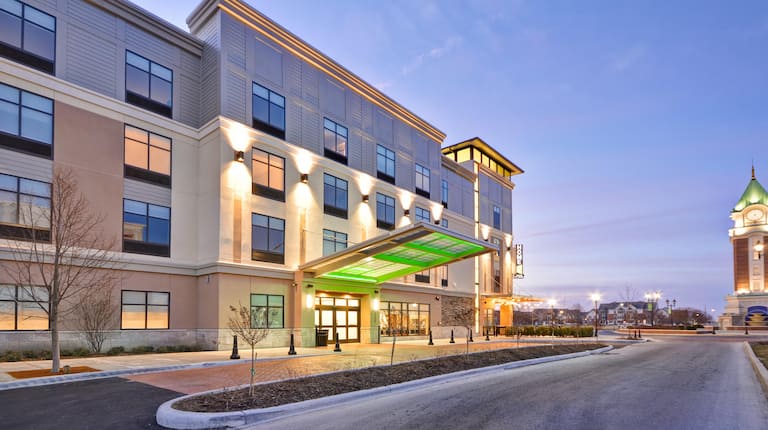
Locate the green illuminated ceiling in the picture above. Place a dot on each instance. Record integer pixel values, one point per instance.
(397, 254)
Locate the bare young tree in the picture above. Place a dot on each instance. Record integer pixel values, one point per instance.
(95, 315)
(64, 258)
(241, 323)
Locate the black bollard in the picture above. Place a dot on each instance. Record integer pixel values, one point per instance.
(291, 350)
(639, 334)
(452, 341)
(746, 330)
(235, 355)
(470, 336)
(430, 338)
(487, 332)
(338, 347)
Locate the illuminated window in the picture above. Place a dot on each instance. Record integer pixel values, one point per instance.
(267, 311)
(147, 156)
(143, 310)
(334, 196)
(385, 164)
(27, 35)
(146, 228)
(268, 111)
(497, 217)
(404, 319)
(333, 241)
(26, 121)
(422, 180)
(23, 308)
(385, 211)
(148, 84)
(268, 175)
(25, 208)
(335, 141)
(267, 239)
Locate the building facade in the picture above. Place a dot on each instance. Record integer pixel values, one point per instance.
(748, 305)
(236, 164)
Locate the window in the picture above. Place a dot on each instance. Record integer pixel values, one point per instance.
(144, 310)
(23, 308)
(422, 277)
(496, 242)
(267, 239)
(25, 209)
(385, 164)
(422, 181)
(268, 175)
(335, 141)
(385, 211)
(266, 311)
(26, 121)
(403, 319)
(268, 111)
(444, 193)
(27, 35)
(335, 196)
(443, 222)
(147, 156)
(148, 84)
(497, 218)
(333, 241)
(442, 271)
(423, 215)
(146, 228)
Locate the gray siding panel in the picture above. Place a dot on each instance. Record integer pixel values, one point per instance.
(268, 62)
(144, 44)
(189, 112)
(91, 17)
(293, 118)
(382, 127)
(369, 157)
(310, 90)
(210, 101)
(90, 61)
(235, 98)
(311, 131)
(25, 166)
(404, 170)
(148, 193)
(333, 101)
(355, 151)
(354, 110)
(234, 34)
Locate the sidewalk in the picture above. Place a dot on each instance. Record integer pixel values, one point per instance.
(190, 372)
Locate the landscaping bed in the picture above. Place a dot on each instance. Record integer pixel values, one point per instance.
(313, 387)
(761, 351)
(37, 373)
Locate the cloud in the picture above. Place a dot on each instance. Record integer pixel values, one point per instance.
(440, 51)
(628, 58)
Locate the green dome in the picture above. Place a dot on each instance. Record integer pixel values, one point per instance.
(755, 193)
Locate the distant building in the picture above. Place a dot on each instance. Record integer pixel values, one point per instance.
(748, 305)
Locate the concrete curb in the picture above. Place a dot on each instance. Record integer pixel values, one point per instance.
(760, 371)
(176, 419)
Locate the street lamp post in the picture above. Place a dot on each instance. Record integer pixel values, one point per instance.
(595, 298)
(652, 299)
(552, 314)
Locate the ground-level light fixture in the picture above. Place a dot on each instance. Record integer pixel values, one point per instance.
(240, 156)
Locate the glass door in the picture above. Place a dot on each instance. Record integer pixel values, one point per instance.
(338, 315)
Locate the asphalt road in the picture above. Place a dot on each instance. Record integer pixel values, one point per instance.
(111, 403)
(671, 384)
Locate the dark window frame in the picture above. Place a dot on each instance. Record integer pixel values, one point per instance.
(383, 222)
(267, 126)
(25, 232)
(425, 174)
(335, 154)
(268, 307)
(423, 278)
(142, 101)
(422, 214)
(146, 247)
(140, 173)
(266, 190)
(268, 255)
(332, 204)
(17, 142)
(496, 217)
(383, 154)
(444, 193)
(146, 308)
(16, 300)
(22, 55)
(334, 239)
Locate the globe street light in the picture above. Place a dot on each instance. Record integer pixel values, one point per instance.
(595, 298)
(652, 299)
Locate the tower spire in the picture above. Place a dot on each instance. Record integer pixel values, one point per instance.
(753, 169)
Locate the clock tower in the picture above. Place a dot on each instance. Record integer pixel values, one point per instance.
(748, 304)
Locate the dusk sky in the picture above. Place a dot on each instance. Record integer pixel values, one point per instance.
(636, 122)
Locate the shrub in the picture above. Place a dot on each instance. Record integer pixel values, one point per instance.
(29, 355)
(81, 352)
(65, 353)
(116, 350)
(143, 349)
(583, 331)
(10, 356)
(45, 355)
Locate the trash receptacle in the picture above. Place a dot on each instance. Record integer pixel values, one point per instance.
(321, 337)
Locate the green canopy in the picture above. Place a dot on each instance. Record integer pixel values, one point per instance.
(402, 252)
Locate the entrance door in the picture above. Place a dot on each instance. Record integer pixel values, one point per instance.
(339, 315)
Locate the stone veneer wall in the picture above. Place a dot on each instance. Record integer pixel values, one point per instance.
(455, 310)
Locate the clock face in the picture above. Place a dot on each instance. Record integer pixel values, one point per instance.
(754, 214)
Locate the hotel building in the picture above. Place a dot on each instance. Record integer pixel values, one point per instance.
(236, 164)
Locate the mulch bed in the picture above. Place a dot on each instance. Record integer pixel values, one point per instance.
(313, 387)
(37, 373)
(761, 351)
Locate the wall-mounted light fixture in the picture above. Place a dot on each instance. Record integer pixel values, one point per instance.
(240, 156)
(759, 249)
(509, 248)
(310, 285)
(437, 222)
(407, 212)
(437, 298)
(365, 198)
(375, 291)
(304, 178)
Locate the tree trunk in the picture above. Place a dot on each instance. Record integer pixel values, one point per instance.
(55, 350)
(253, 368)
